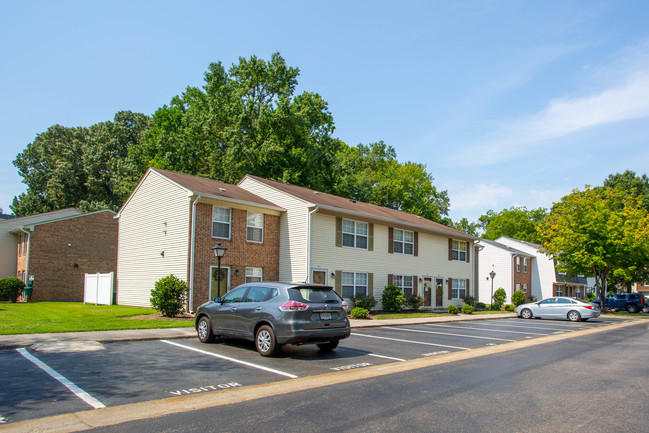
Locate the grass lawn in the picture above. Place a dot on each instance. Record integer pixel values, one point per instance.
(42, 317)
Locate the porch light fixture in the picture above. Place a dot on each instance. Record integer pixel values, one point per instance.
(219, 251)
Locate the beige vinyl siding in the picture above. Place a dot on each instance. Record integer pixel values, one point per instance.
(293, 229)
(432, 259)
(155, 219)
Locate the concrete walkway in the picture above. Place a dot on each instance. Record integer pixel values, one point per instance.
(29, 340)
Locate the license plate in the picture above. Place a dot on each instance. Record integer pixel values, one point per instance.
(325, 316)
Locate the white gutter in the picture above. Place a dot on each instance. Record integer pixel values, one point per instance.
(308, 246)
(191, 255)
(28, 249)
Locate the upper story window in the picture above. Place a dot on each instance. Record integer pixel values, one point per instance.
(404, 242)
(525, 264)
(355, 234)
(254, 275)
(405, 283)
(459, 250)
(255, 227)
(221, 222)
(518, 264)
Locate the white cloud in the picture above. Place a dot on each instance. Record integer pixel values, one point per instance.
(478, 197)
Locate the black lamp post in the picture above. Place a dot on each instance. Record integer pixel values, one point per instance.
(219, 251)
(492, 274)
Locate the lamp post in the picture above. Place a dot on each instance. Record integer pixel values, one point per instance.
(492, 274)
(219, 251)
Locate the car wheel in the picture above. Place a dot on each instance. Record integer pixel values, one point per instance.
(328, 347)
(526, 313)
(265, 341)
(574, 316)
(632, 308)
(204, 330)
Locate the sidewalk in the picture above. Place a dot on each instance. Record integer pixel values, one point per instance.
(28, 340)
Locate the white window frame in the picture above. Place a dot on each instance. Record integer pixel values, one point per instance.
(404, 282)
(518, 264)
(458, 253)
(399, 239)
(458, 285)
(254, 222)
(356, 284)
(559, 291)
(525, 288)
(254, 275)
(215, 219)
(525, 264)
(355, 233)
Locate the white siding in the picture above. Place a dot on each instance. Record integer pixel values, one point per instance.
(292, 230)
(543, 274)
(155, 219)
(500, 261)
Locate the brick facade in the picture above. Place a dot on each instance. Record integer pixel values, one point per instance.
(240, 253)
(61, 252)
(522, 276)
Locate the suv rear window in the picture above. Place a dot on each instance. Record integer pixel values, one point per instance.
(309, 294)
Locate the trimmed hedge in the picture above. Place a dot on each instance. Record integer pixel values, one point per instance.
(10, 288)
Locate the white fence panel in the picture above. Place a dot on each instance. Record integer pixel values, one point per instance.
(98, 289)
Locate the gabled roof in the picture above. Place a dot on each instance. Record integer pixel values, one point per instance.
(505, 247)
(30, 226)
(529, 244)
(347, 206)
(11, 224)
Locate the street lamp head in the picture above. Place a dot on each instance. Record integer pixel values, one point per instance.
(492, 274)
(219, 250)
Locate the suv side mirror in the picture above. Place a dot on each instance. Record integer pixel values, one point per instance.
(217, 299)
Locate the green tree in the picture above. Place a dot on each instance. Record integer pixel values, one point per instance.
(630, 184)
(78, 167)
(600, 231)
(515, 222)
(465, 226)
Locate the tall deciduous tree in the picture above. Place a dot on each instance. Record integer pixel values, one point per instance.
(515, 222)
(600, 231)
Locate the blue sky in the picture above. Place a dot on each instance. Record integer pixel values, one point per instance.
(508, 103)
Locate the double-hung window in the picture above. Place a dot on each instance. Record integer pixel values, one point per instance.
(255, 227)
(403, 242)
(355, 234)
(525, 264)
(254, 275)
(518, 264)
(458, 289)
(405, 283)
(221, 222)
(459, 250)
(354, 284)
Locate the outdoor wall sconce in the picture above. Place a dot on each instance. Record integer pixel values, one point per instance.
(333, 275)
(236, 272)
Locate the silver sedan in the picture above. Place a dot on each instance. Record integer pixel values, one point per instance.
(558, 307)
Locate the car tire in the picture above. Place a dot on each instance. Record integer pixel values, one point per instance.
(265, 341)
(632, 308)
(328, 347)
(574, 316)
(204, 330)
(526, 313)
(586, 319)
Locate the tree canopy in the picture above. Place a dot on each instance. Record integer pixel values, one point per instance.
(515, 222)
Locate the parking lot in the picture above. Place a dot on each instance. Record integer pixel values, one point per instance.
(39, 383)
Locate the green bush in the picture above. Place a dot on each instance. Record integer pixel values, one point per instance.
(452, 309)
(413, 302)
(590, 296)
(518, 298)
(510, 308)
(499, 299)
(366, 302)
(359, 313)
(10, 288)
(480, 306)
(169, 296)
(392, 299)
(469, 300)
(467, 309)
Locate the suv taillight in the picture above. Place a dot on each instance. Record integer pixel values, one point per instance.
(293, 306)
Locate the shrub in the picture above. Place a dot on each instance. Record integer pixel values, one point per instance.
(10, 288)
(169, 296)
(467, 309)
(413, 302)
(469, 300)
(518, 298)
(365, 302)
(510, 308)
(359, 313)
(480, 306)
(499, 299)
(452, 309)
(392, 299)
(590, 296)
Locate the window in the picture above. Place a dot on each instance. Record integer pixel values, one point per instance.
(458, 289)
(525, 288)
(255, 227)
(254, 275)
(234, 296)
(257, 294)
(355, 234)
(518, 286)
(404, 282)
(559, 291)
(404, 242)
(459, 251)
(525, 265)
(221, 222)
(518, 264)
(354, 284)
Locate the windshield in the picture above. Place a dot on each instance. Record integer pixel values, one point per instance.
(314, 294)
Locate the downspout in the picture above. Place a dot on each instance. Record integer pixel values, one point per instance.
(191, 256)
(308, 246)
(28, 249)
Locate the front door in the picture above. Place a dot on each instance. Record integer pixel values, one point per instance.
(439, 289)
(219, 288)
(428, 292)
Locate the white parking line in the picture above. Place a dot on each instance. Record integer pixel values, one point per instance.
(386, 357)
(83, 395)
(410, 341)
(487, 329)
(227, 358)
(448, 333)
(536, 325)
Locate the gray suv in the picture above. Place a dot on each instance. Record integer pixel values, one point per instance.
(274, 314)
